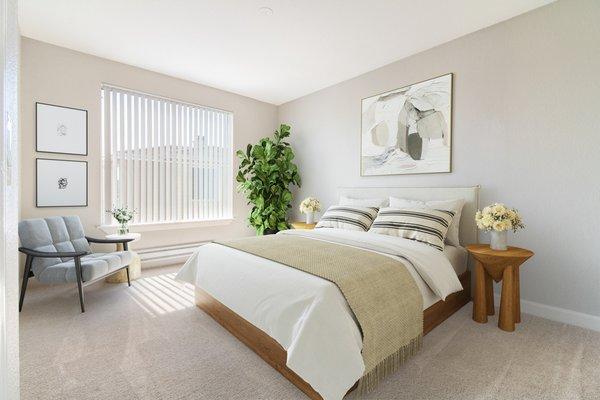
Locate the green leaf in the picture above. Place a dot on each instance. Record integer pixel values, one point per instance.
(240, 177)
(287, 196)
(258, 152)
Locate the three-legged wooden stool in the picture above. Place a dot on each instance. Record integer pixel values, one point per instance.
(499, 266)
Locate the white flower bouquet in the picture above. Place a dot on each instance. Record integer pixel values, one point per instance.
(498, 219)
(310, 206)
(123, 215)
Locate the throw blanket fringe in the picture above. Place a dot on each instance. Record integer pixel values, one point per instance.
(388, 366)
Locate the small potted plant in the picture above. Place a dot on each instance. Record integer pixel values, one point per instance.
(498, 219)
(310, 206)
(123, 215)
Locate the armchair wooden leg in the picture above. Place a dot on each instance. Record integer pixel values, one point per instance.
(79, 282)
(128, 281)
(26, 273)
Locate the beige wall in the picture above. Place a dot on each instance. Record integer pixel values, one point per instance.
(526, 127)
(60, 76)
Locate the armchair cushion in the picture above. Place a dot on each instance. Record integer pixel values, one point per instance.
(52, 234)
(93, 266)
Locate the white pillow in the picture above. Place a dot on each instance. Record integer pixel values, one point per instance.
(455, 206)
(352, 218)
(425, 225)
(374, 202)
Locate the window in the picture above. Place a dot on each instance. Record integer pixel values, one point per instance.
(169, 161)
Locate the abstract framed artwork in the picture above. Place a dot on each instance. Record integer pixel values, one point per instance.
(60, 129)
(408, 130)
(61, 183)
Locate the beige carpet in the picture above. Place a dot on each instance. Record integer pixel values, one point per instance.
(151, 342)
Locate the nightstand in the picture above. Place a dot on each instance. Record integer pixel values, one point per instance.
(499, 266)
(302, 225)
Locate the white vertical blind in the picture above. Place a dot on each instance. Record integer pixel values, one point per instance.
(169, 161)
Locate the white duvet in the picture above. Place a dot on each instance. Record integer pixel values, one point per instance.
(307, 315)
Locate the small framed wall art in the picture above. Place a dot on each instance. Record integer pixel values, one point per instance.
(61, 183)
(60, 129)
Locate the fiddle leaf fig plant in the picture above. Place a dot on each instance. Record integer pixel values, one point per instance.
(265, 174)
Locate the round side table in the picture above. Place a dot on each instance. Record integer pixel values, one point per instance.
(499, 266)
(135, 268)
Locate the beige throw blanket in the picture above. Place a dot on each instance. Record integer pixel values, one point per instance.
(379, 290)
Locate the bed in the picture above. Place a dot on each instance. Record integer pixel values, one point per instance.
(299, 323)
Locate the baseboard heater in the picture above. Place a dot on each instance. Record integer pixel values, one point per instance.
(167, 255)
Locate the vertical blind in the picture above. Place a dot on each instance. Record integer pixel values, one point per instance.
(168, 160)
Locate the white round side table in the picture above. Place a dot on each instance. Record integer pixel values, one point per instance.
(135, 267)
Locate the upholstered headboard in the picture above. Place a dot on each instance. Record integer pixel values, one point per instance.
(468, 229)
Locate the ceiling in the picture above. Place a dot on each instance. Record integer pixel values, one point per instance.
(303, 46)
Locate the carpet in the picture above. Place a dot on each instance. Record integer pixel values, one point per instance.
(150, 342)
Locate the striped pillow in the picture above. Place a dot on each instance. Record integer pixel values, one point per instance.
(423, 225)
(352, 218)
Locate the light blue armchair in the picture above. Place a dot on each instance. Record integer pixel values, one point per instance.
(59, 252)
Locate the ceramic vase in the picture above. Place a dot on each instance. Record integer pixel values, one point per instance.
(499, 240)
(310, 217)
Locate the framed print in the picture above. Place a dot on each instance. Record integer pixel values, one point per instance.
(60, 130)
(61, 183)
(408, 130)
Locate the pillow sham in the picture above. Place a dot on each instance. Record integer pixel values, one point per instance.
(373, 202)
(454, 206)
(352, 218)
(423, 225)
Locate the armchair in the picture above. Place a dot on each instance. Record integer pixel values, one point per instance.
(58, 251)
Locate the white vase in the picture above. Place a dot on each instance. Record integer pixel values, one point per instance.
(310, 217)
(499, 240)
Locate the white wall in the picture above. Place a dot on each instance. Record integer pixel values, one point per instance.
(526, 127)
(56, 75)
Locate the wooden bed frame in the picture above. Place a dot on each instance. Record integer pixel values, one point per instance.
(276, 356)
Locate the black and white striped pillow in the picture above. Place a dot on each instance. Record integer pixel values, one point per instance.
(423, 225)
(352, 218)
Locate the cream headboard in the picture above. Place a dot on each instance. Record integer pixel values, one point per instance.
(468, 229)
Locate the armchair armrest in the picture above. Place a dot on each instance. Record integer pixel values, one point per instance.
(113, 241)
(51, 254)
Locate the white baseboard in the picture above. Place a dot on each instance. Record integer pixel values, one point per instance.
(557, 314)
(167, 255)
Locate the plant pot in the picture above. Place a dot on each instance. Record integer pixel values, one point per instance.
(310, 217)
(499, 240)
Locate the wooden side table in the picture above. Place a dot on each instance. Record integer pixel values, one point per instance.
(499, 266)
(135, 267)
(302, 225)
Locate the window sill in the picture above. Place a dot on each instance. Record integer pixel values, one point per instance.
(163, 226)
